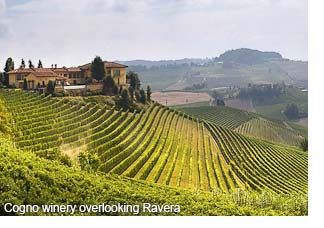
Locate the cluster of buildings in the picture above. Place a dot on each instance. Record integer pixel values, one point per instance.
(65, 78)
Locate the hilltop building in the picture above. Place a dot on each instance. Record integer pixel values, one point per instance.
(64, 77)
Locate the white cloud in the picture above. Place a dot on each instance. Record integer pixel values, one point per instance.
(2, 7)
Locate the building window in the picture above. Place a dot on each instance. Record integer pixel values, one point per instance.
(19, 77)
(116, 72)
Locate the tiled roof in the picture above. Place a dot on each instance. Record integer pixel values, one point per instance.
(74, 69)
(39, 72)
(113, 64)
(21, 70)
(44, 74)
(107, 65)
(60, 70)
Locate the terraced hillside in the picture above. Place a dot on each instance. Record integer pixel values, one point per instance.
(159, 145)
(247, 123)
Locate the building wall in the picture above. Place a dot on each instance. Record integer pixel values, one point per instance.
(118, 74)
(37, 80)
(75, 78)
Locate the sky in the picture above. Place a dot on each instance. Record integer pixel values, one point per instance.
(73, 32)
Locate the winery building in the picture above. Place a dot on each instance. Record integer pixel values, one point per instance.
(64, 76)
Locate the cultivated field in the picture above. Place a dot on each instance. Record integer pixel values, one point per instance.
(247, 123)
(246, 105)
(159, 145)
(179, 98)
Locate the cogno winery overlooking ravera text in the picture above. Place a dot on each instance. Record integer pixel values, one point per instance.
(101, 208)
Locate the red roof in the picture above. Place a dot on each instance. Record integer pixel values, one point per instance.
(60, 70)
(21, 70)
(38, 72)
(74, 69)
(44, 74)
(113, 64)
(107, 65)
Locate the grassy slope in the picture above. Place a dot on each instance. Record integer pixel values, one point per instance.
(247, 123)
(226, 196)
(276, 106)
(288, 71)
(28, 179)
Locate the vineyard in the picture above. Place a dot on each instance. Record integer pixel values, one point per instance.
(247, 123)
(29, 179)
(157, 145)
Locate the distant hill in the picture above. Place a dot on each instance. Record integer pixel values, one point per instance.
(248, 56)
(150, 63)
(237, 67)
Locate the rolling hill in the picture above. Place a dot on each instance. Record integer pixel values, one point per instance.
(237, 67)
(247, 123)
(31, 180)
(158, 145)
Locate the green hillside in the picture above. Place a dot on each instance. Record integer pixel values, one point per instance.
(227, 117)
(28, 179)
(158, 145)
(248, 123)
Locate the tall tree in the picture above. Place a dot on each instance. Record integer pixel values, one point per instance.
(40, 64)
(1, 79)
(148, 93)
(124, 101)
(50, 87)
(304, 144)
(142, 96)
(131, 92)
(25, 85)
(134, 80)
(108, 85)
(10, 65)
(22, 65)
(291, 111)
(31, 65)
(97, 68)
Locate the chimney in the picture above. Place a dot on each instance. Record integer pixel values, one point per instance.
(55, 66)
(52, 65)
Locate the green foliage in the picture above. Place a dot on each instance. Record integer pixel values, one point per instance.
(142, 97)
(124, 101)
(88, 162)
(304, 144)
(30, 64)
(25, 86)
(50, 88)
(262, 94)
(248, 56)
(157, 145)
(246, 123)
(131, 92)
(137, 95)
(116, 90)
(1, 79)
(148, 93)
(108, 85)
(22, 65)
(5, 119)
(134, 80)
(40, 64)
(226, 117)
(291, 111)
(97, 69)
(10, 65)
(27, 179)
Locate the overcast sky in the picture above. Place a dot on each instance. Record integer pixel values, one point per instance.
(72, 32)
